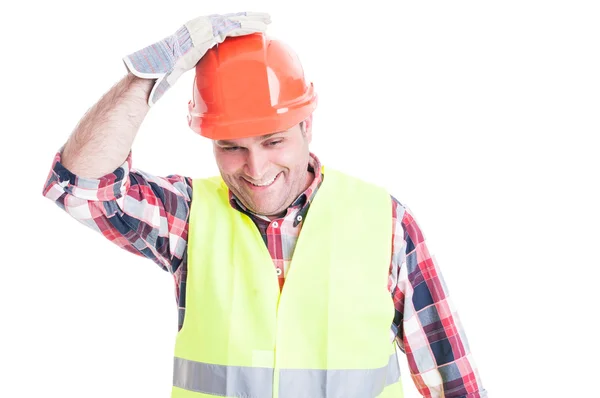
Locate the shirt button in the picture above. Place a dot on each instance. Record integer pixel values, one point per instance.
(278, 271)
(299, 218)
(275, 224)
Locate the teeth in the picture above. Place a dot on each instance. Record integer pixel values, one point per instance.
(266, 183)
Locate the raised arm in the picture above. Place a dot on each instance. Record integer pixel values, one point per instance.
(92, 178)
(104, 136)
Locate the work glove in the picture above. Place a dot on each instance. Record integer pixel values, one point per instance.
(169, 58)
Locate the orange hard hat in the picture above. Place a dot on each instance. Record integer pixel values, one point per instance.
(247, 86)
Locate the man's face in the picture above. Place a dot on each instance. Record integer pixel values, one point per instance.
(267, 172)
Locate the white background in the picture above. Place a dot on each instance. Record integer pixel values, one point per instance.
(482, 117)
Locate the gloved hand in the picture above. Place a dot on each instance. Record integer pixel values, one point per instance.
(169, 58)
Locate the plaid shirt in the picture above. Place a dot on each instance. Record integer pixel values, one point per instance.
(148, 215)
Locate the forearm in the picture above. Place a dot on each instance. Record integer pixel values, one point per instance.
(104, 136)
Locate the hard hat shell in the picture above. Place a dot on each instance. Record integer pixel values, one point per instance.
(248, 86)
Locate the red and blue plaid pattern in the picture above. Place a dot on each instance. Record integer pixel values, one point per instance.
(148, 215)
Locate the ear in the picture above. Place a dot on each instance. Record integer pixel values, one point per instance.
(308, 127)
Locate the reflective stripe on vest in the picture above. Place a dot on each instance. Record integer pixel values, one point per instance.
(226, 381)
(346, 383)
(242, 381)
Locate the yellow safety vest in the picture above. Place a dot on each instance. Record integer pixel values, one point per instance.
(327, 334)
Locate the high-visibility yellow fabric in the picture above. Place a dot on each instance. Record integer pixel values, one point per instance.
(335, 310)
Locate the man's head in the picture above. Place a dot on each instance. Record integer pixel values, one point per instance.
(267, 172)
(244, 87)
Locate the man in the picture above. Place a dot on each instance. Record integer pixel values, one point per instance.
(293, 279)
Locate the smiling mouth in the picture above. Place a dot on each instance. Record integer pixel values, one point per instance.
(263, 184)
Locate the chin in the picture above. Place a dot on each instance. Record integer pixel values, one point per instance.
(266, 211)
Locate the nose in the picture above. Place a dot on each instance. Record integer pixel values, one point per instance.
(256, 165)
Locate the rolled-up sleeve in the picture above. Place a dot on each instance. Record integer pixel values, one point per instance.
(141, 213)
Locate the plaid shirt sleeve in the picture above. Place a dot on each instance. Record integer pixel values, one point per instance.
(428, 329)
(143, 214)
